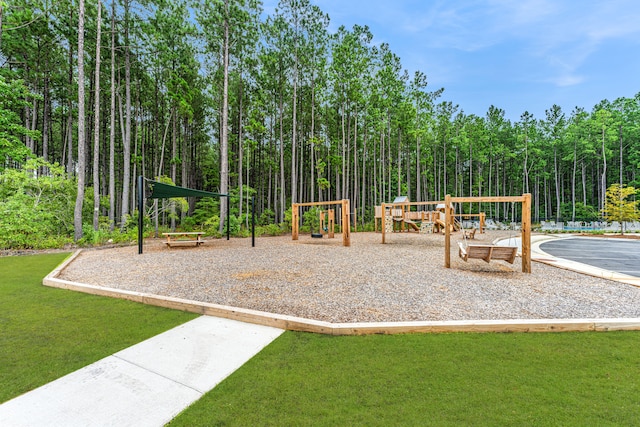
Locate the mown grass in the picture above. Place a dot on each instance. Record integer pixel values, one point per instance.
(431, 380)
(46, 333)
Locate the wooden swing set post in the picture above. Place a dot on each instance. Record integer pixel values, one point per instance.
(383, 221)
(525, 199)
(295, 226)
(346, 224)
(447, 230)
(331, 223)
(346, 229)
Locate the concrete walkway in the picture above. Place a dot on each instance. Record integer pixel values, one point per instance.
(147, 384)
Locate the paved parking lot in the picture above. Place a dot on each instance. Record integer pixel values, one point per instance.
(619, 255)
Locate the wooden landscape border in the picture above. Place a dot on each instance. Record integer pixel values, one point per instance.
(293, 323)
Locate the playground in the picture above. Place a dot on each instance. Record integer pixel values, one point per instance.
(403, 280)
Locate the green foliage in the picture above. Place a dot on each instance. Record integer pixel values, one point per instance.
(104, 235)
(311, 220)
(287, 219)
(617, 207)
(583, 212)
(270, 230)
(206, 208)
(14, 96)
(36, 206)
(266, 217)
(212, 224)
(47, 333)
(569, 379)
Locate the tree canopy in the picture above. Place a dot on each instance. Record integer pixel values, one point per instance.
(216, 95)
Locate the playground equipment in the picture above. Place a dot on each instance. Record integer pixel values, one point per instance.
(327, 220)
(491, 252)
(398, 216)
(327, 224)
(487, 252)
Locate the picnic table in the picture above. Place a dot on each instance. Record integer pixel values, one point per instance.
(184, 238)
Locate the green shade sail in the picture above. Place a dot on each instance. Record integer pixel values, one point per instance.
(160, 190)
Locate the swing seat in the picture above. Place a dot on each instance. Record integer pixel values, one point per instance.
(488, 252)
(469, 235)
(316, 235)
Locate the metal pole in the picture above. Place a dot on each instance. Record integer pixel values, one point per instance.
(228, 216)
(140, 212)
(253, 221)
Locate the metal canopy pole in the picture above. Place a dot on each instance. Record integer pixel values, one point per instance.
(140, 212)
(253, 221)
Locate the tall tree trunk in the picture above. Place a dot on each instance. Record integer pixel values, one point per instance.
(77, 213)
(294, 131)
(557, 181)
(174, 157)
(112, 125)
(281, 186)
(224, 139)
(621, 151)
(603, 177)
(240, 146)
(96, 128)
(126, 151)
(46, 116)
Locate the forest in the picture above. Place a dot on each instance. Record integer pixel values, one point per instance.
(219, 96)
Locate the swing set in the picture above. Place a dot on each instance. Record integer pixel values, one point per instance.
(327, 220)
(490, 252)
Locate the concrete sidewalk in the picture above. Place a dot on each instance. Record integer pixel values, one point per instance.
(147, 384)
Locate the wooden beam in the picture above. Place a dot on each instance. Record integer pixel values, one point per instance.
(294, 221)
(346, 224)
(384, 221)
(526, 233)
(332, 223)
(492, 199)
(330, 202)
(447, 231)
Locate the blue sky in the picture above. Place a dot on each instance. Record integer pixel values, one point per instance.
(515, 54)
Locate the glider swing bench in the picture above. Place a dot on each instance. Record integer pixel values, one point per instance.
(487, 252)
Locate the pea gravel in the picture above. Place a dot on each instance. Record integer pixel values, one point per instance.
(402, 280)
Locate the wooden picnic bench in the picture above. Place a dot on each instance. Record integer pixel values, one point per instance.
(184, 238)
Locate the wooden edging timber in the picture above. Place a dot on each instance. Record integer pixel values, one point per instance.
(363, 328)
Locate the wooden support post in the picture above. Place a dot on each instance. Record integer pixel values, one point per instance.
(526, 233)
(355, 222)
(294, 221)
(346, 224)
(383, 221)
(322, 217)
(331, 223)
(447, 231)
(483, 217)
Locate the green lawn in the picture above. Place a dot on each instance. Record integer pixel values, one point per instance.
(304, 379)
(46, 333)
(579, 379)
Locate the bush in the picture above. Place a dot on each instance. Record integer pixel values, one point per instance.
(583, 212)
(267, 217)
(36, 209)
(270, 230)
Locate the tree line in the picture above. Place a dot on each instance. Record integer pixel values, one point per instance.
(219, 96)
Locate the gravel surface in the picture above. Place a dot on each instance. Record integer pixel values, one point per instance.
(403, 280)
